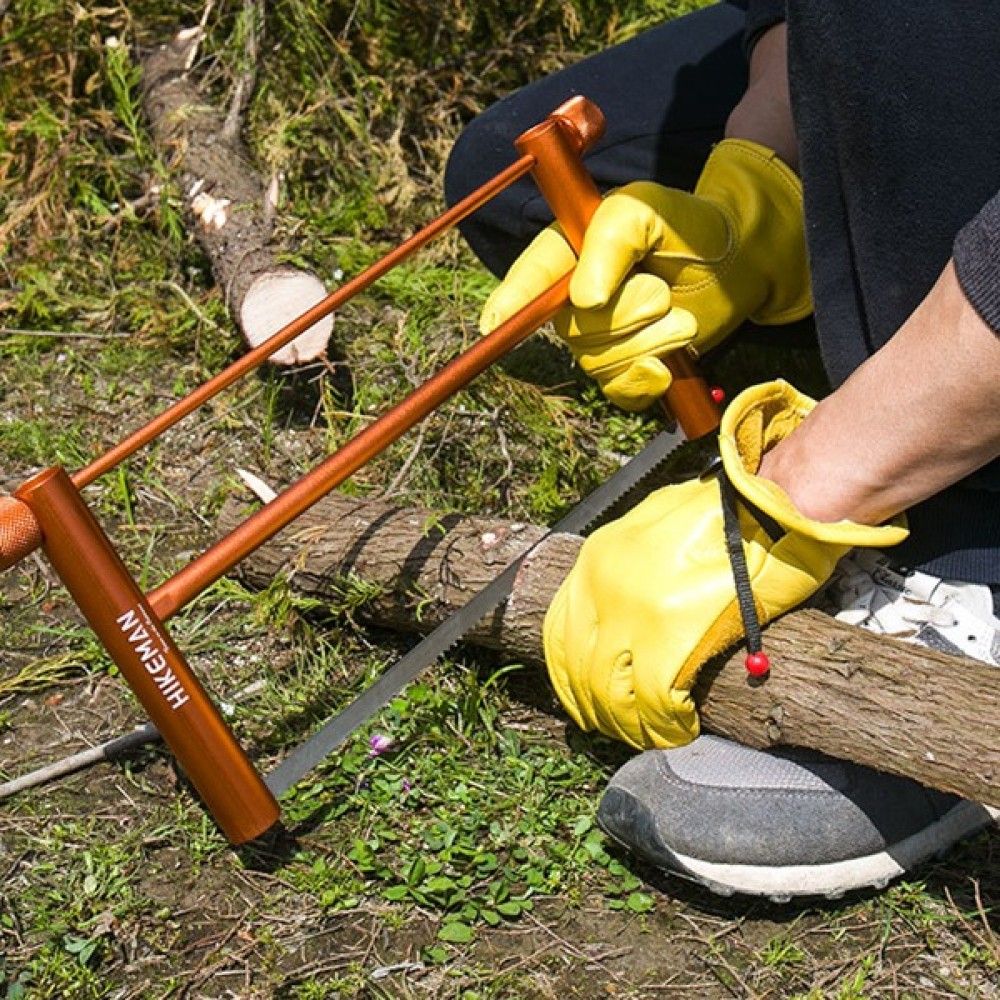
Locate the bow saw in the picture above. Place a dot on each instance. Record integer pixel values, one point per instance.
(49, 512)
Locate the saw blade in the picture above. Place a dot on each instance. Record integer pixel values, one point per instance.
(325, 740)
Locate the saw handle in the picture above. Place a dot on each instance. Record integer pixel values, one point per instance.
(557, 146)
(20, 534)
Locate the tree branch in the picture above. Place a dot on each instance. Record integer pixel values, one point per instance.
(230, 206)
(835, 688)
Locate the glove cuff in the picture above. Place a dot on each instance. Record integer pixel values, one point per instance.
(756, 420)
(763, 196)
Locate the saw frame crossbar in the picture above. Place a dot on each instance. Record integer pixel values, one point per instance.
(49, 511)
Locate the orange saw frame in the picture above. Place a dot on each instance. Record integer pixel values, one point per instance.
(48, 511)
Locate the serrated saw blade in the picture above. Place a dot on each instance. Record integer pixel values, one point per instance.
(330, 736)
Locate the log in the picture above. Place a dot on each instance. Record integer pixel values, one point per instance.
(230, 207)
(833, 687)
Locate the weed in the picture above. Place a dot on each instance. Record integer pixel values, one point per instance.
(123, 77)
(854, 987)
(781, 951)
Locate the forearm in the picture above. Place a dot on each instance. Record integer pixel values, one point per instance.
(916, 417)
(765, 112)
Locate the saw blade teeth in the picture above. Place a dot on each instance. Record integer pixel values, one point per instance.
(638, 490)
(671, 443)
(624, 500)
(445, 650)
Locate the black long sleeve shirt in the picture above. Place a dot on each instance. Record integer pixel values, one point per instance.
(895, 106)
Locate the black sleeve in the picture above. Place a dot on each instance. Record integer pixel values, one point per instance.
(761, 15)
(977, 262)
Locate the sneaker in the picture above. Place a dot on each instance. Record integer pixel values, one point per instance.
(946, 615)
(779, 823)
(792, 822)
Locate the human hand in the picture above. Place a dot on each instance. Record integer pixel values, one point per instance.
(917, 416)
(732, 250)
(651, 597)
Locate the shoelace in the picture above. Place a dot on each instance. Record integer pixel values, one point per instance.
(873, 597)
(915, 606)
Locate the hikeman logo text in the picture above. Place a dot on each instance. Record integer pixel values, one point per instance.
(148, 646)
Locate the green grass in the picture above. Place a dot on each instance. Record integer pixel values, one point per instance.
(429, 830)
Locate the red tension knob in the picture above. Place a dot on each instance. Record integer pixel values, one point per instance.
(757, 664)
(718, 395)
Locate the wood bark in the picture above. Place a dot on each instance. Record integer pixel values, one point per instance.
(229, 205)
(878, 701)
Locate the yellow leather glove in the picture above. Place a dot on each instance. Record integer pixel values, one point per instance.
(732, 250)
(651, 597)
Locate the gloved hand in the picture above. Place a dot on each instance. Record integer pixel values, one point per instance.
(733, 250)
(651, 597)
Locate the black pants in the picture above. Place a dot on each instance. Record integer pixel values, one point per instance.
(666, 95)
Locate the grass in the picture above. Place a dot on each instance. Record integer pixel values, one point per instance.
(462, 860)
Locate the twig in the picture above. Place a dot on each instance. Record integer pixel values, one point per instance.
(110, 750)
(717, 957)
(404, 469)
(10, 331)
(988, 940)
(131, 208)
(384, 971)
(197, 34)
(991, 938)
(201, 314)
(579, 953)
(349, 23)
(503, 483)
(245, 85)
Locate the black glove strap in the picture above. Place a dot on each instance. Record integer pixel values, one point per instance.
(756, 661)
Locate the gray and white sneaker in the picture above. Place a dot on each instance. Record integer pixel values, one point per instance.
(780, 823)
(947, 615)
(794, 822)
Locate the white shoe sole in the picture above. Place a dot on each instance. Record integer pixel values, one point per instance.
(781, 883)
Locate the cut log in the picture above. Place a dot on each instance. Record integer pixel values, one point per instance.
(881, 702)
(230, 206)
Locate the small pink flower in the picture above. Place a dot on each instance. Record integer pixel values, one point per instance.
(406, 784)
(379, 744)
